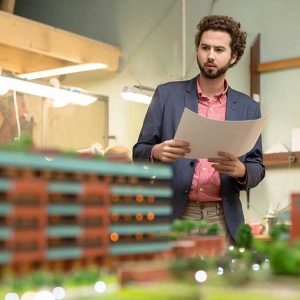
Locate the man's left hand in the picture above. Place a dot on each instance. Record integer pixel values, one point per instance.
(228, 164)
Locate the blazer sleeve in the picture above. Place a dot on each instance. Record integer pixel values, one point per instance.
(151, 132)
(253, 160)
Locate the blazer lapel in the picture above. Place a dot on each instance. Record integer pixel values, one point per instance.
(191, 97)
(232, 106)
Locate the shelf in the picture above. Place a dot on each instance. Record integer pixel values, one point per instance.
(282, 159)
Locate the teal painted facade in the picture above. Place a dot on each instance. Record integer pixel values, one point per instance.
(66, 216)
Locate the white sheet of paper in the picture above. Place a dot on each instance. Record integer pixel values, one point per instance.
(207, 136)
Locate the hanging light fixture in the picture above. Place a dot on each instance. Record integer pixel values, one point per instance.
(62, 71)
(138, 93)
(27, 87)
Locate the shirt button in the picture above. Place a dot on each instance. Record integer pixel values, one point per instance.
(201, 189)
(204, 169)
(210, 108)
(186, 192)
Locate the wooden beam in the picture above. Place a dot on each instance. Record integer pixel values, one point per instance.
(30, 36)
(254, 61)
(21, 61)
(7, 6)
(278, 65)
(283, 159)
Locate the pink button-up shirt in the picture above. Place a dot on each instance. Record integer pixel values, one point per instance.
(206, 183)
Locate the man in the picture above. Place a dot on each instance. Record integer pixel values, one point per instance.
(205, 189)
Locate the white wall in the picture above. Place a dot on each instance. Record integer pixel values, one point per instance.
(149, 35)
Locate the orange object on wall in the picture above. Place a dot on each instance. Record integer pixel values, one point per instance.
(295, 217)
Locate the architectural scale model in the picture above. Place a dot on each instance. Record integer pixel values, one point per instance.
(77, 209)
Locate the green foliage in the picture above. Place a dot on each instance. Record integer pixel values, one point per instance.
(238, 277)
(244, 236)
(280, 232)
(202, 226)
(197, 263)
(35, 280)
(82, 277)
(157, 291)
(258, 257)
(284, 260)
(223, 262)
(179, 268)
(213, 229)
(177, 225)
(190, 225)
(182, 268)
(23, 144)
(182, 227)
(39, 279)
(261, 246)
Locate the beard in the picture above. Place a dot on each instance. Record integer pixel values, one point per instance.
(211, 74)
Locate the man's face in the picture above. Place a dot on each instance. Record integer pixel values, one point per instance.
(214, 54)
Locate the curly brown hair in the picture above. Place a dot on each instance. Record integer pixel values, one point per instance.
(227, 24)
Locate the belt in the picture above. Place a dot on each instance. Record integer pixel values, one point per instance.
(203, 204)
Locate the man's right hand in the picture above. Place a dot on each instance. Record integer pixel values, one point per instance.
(170, 150)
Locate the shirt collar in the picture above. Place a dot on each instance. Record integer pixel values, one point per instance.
(219, 97)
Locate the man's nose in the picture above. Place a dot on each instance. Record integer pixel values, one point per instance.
(211, 55)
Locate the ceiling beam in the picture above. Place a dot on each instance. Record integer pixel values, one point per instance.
(21, 61)
(7, 5)
(33, 39)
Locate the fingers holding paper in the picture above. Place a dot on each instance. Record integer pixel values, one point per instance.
(170, 150)
(228, 164)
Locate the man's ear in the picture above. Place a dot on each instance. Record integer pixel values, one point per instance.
(233, 59)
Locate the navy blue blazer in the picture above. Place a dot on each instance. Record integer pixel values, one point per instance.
(160, 124)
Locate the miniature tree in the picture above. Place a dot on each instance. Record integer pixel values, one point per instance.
(190, 225)
(244, 236)
(177, 228)
(179, 225)
(213, 229)
(193, 227)
(186, 227)
(202, 226)
(280, 231)
(283, 259)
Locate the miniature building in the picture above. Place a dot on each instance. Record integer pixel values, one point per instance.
(203, 246)
(78, 209)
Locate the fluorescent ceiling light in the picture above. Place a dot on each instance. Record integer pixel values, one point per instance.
(45, 91)
(138, 93)
(62, 71)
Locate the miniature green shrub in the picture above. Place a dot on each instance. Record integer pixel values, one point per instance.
(181, 268)
(177, 225)
(244, 237)
(284, 260)
(183, 227)
(280, 232)
(190, 225)
(213, 229)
